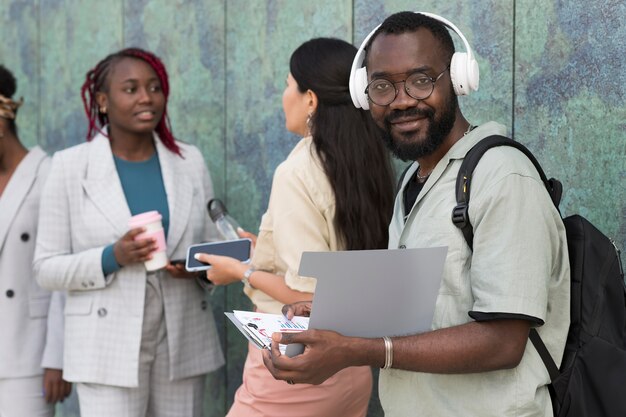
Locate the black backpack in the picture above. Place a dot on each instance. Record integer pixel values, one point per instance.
(591, 381)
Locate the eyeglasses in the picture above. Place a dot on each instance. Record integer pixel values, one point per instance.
(417, 85)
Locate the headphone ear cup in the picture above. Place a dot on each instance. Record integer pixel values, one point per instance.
(458, 74)
(464, 74)
(360, 84)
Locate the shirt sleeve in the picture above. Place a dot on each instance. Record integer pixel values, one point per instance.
(302, 222)
(109, 263)
(516, 230)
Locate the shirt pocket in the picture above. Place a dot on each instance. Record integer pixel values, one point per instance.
(440, 231)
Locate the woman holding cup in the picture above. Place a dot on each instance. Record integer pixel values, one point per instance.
(139, 333)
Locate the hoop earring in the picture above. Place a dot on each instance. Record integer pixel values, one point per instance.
(309, 124)
(103, 110)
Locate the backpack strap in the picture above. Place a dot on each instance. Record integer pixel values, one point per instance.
(460, 214)
(553, 370)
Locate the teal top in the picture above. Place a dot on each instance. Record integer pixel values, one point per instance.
(144, 190)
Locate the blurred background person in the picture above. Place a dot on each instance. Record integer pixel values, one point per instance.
(137, 343)
(333, 192)
(30, 382)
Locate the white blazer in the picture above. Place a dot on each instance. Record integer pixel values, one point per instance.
(23, 304)
(84, 210)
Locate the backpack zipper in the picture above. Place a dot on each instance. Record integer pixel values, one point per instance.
(619, 258)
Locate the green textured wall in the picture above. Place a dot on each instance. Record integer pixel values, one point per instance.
(551, 70)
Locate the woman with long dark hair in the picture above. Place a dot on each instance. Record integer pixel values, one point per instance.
(333, 192)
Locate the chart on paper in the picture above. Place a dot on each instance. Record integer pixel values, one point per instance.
(258, 327)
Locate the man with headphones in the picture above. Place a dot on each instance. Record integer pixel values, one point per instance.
(476, 360)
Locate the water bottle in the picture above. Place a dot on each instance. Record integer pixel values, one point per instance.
(226, 225)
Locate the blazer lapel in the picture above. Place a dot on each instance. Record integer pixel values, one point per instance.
(179, 193)
(18, 188)
(103, 185)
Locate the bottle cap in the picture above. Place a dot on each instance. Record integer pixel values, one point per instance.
(216, 208)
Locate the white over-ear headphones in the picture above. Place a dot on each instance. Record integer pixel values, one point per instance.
(463, 68)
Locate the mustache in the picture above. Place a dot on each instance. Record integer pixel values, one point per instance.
(414, 111)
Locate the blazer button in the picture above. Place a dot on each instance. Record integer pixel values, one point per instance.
(102, 312)
(10, 293)
(83, 284)
(402, 247)
(25, 237)
(203, 304)
(91, 283)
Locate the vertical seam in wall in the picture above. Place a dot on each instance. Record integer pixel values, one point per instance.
(40, 139)
(225, 113)
(353, 23)
(123, 19)
(513, 98)
(225, 183)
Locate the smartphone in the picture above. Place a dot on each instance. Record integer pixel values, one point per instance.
(238, 249)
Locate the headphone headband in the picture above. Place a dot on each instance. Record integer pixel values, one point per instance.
(463, 67)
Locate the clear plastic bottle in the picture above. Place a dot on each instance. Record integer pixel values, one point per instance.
(226, 225)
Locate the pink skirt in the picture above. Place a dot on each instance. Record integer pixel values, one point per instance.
(346, 394)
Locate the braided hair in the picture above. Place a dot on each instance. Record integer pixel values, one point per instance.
(97, 81)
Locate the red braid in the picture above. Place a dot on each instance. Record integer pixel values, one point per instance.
(96, 78)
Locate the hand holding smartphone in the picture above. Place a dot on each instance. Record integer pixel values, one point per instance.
(238, 249)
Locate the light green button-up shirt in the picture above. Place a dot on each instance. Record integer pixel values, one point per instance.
(519, 266)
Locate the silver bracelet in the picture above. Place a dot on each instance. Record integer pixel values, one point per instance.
(388, 352)
(246, 277)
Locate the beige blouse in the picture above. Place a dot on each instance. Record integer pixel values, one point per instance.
(299, 218)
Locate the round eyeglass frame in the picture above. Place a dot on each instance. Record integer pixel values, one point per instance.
(433, 80)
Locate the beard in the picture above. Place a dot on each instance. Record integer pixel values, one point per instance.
(410, 147)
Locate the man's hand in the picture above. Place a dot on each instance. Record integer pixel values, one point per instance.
(54, 387)
(325, 354)
(301, 308)
(128, 251)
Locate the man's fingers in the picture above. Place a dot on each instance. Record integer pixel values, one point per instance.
(301, 308)
(288, 311)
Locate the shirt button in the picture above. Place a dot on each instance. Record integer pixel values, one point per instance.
(91, 283)
(84, 284)
(204, 304)
(10, 293)
(25, 237)
(102, 312)
(402, 247)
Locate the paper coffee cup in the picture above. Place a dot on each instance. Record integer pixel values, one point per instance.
(151, 221)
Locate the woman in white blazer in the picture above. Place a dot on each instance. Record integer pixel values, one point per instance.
(30, 383)
(136, 343)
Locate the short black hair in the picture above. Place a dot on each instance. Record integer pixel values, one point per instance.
(8, 86)
(403, 22)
